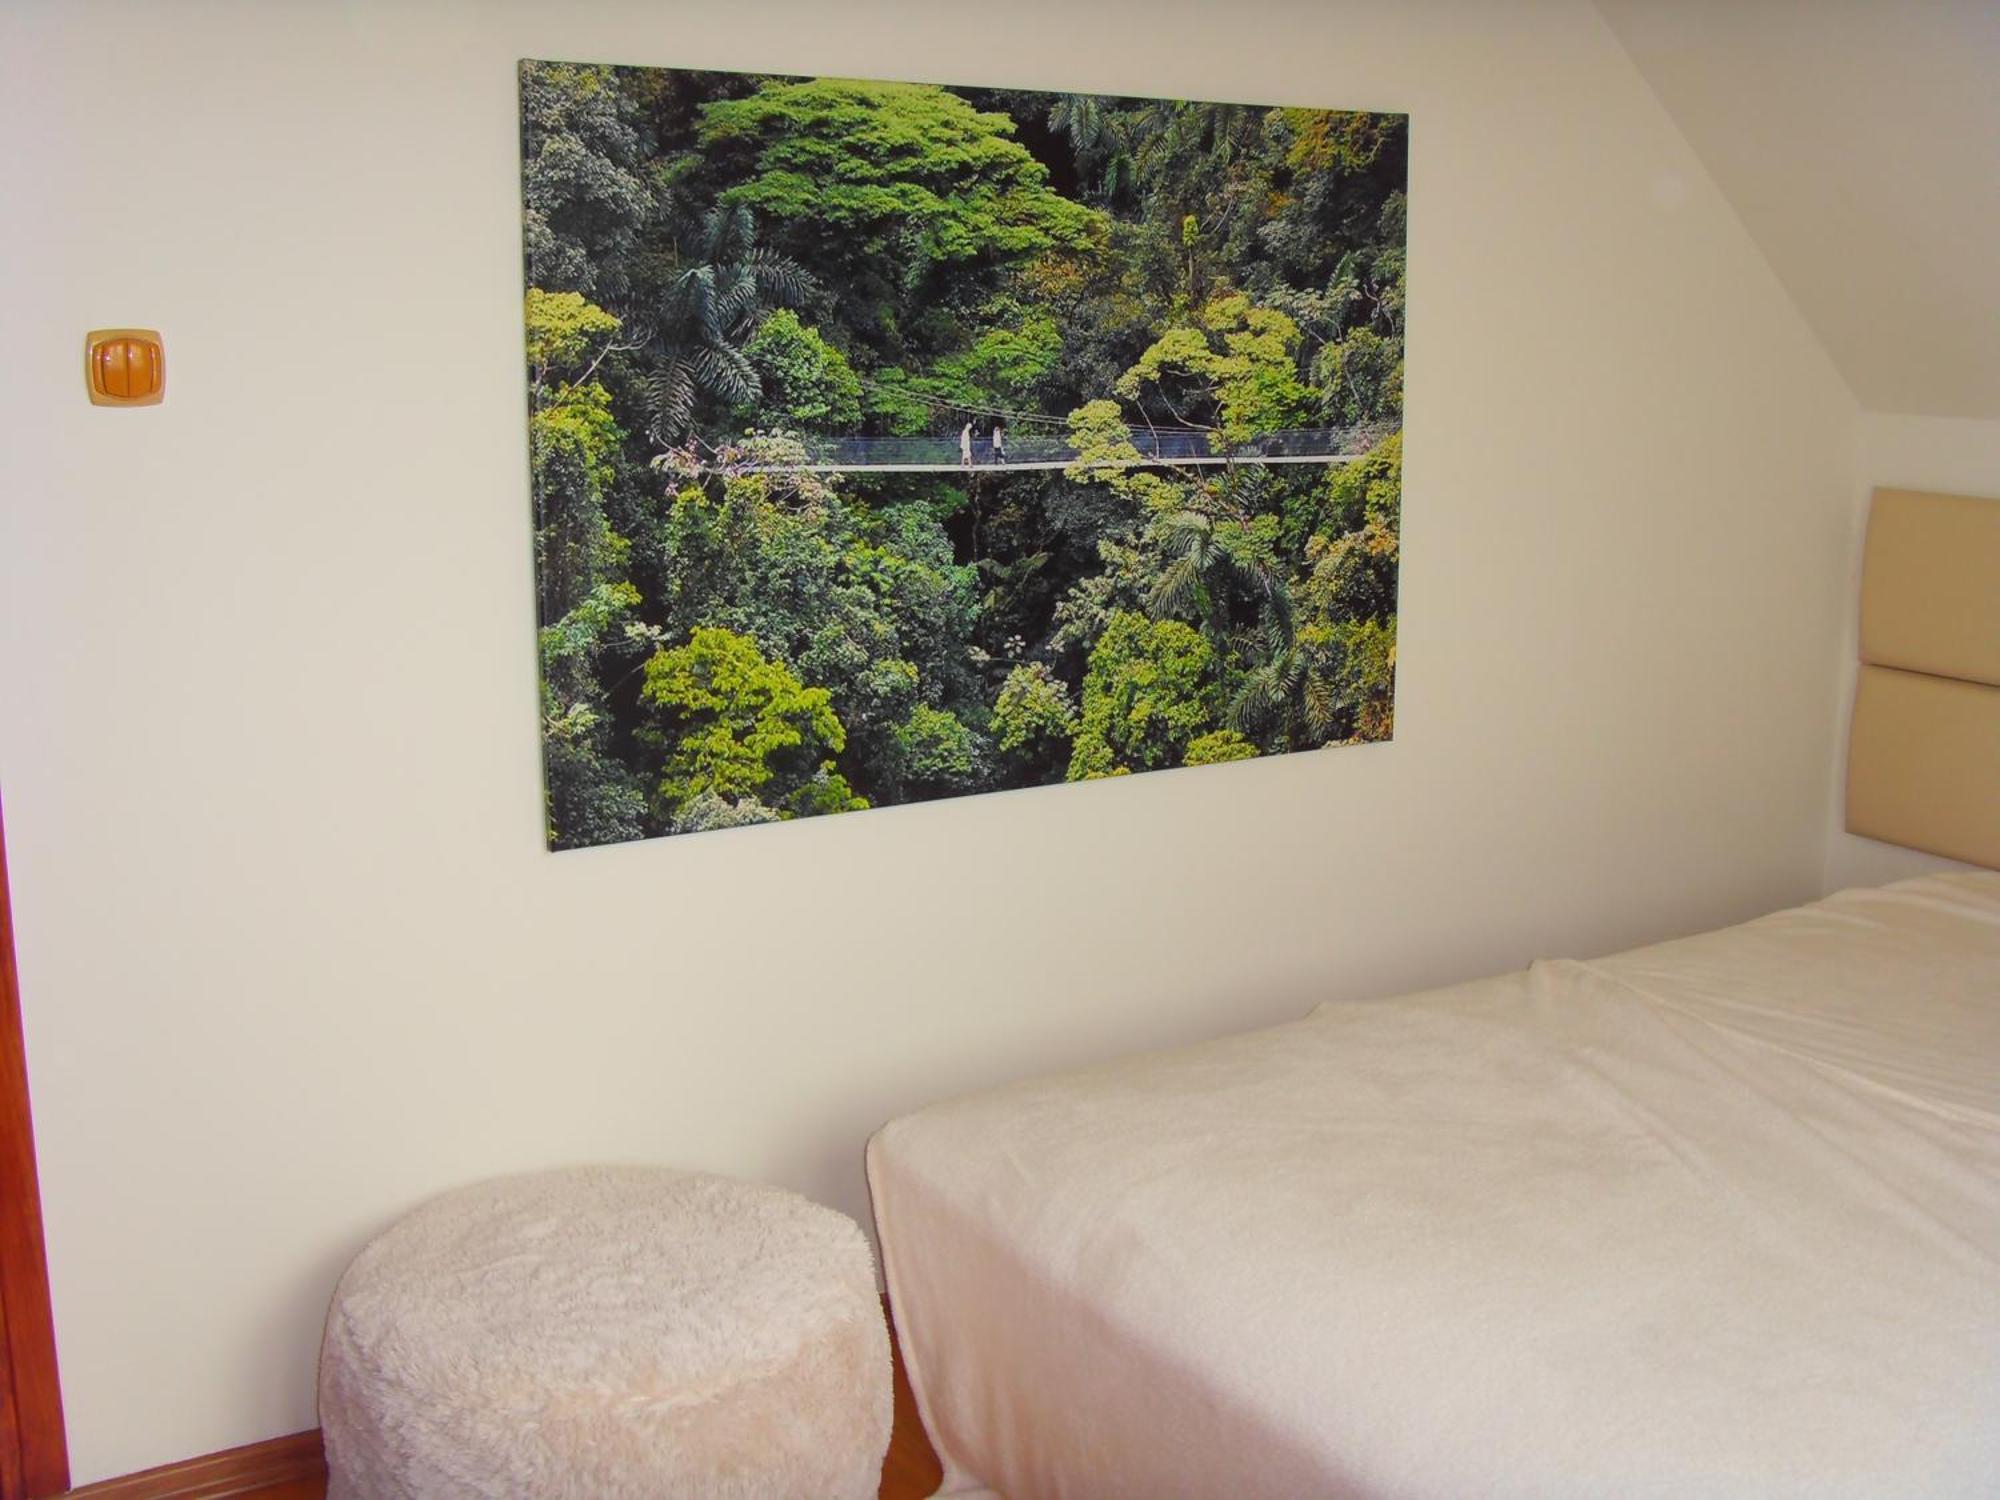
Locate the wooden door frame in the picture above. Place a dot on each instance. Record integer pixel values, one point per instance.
(34, 1451)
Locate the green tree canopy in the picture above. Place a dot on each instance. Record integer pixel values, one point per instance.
(938, 753)
(1217, 747)
(1147, 693)
(564, 333)
(1033, 706)
(573, 441)
(1236, 370)
(883, 183)
(807, 383)
(737, 719)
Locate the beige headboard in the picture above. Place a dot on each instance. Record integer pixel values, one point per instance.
(1923, 755)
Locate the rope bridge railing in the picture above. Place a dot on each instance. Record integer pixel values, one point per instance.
(1156, 446)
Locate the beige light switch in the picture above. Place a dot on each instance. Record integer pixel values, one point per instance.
(125, 366)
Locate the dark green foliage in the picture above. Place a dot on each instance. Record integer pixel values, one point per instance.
(583, 199)
(593, 799)
(703, 319)
(807, 384)
(724, 267)
(937, 754)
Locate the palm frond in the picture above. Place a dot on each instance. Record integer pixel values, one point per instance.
(1189, 534)
(1120, 172)
(690, 299)
(709, 237)
(780, 278)
(1178, 590)
(704, 301)
(709, 309)
(1255, 702)
(670, 398)
(735, 300)
(1283, 610)
(737, 231)
(723, 372)
(1322, 704)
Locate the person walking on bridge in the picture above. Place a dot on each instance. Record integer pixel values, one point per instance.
(999, 443)
(965, 447)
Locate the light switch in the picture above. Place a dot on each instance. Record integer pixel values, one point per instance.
(124, 366)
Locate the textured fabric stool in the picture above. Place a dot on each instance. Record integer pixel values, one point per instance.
(608, 1332)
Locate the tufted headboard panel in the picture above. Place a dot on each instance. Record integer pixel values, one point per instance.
(1923, 758)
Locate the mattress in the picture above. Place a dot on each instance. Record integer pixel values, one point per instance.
(1719, 1217)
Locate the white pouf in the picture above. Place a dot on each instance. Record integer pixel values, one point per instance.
(608, 1332)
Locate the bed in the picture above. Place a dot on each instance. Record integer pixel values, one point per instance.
(1717, 1217)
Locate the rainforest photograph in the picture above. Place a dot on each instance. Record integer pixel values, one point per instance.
(892, 441)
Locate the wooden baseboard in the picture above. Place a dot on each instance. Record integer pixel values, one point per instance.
(238, 1471)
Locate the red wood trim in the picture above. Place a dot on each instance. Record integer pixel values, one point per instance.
(248, 1470)
(910, 1469)
(41, 1452)
(12, 1484)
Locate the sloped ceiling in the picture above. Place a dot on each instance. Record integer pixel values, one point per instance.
(1859, 141)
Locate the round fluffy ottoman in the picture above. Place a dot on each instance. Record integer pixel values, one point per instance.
(608, 1332)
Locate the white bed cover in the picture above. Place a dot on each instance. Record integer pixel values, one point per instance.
(1715, 1218)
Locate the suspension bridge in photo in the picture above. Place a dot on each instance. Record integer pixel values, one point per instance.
(1152, 448)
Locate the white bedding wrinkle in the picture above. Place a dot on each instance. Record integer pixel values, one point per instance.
(1714, 1218)
(1876, 982)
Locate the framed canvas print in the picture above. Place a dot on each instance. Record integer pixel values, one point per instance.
(896, 441)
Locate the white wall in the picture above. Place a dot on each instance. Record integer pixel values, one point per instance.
(1953, 456)
(1790, 106)
(293, 955)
